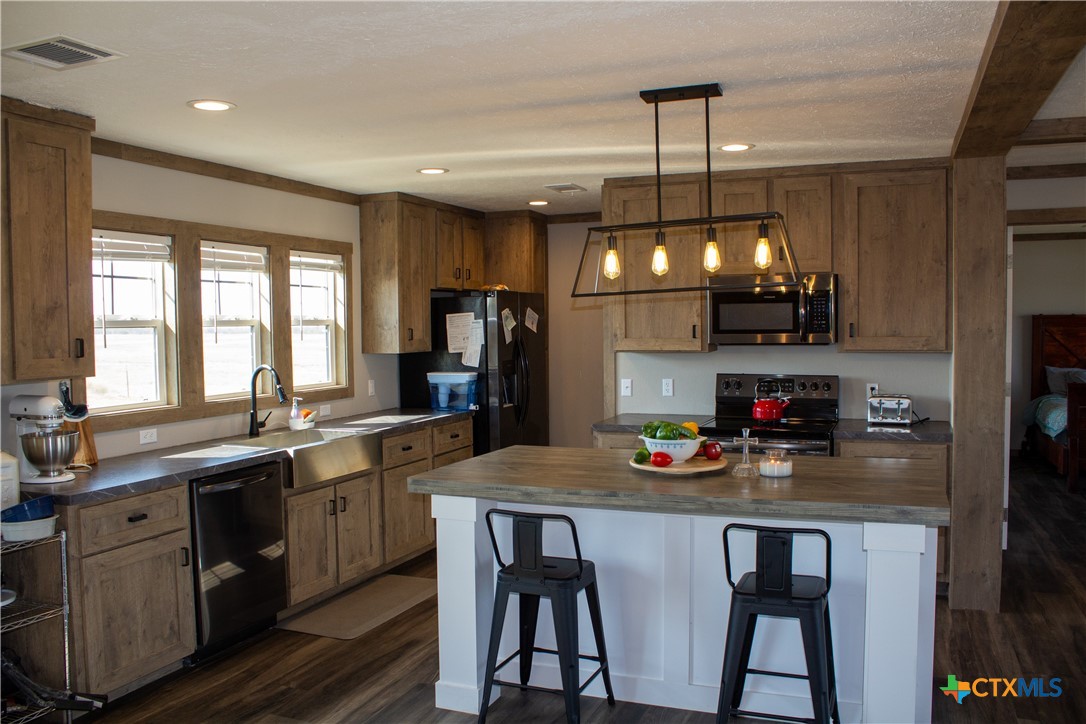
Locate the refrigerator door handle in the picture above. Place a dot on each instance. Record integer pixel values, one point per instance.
(526, 397)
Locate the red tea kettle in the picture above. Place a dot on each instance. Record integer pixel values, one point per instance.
(770, 408)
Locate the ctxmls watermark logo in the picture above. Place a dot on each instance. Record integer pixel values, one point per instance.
(999, 686)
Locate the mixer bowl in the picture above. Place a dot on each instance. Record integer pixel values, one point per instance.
(50, 451)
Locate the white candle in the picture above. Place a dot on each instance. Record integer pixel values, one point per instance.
(771, 468)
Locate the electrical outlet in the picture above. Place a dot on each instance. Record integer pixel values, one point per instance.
(372, 388)
(326, 411)
(148, 436)
(626, 388)
(668, 387)
(872, 389)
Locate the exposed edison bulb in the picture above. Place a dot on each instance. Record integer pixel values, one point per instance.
(659, 256)
(763, 254)
(611, 268)
(711, 258)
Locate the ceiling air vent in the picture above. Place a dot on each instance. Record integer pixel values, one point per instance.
(565, 188)
(60, 53)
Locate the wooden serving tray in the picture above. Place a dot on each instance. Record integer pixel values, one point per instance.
(687, 467)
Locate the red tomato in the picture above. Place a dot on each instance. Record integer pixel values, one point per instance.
(713, 450)
(660, 459)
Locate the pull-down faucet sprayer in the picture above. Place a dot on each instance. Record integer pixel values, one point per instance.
(254, 425)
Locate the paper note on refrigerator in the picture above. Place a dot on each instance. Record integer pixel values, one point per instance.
(531, 320)
(508, 322)
(471, 355)
(458, 330)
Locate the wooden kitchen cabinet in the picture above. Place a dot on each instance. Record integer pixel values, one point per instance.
(516, 250)
(806, 203)
(616, 440)
(657, 322)
(47, 318)
(397, 240)
(333, 535)
(133, 612)
(738, 241)
(409, 526)
(459, 249)
(892, 257)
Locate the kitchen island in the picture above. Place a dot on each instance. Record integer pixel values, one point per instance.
(656, 542)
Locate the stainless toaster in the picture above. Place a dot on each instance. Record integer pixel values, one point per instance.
(890, 409)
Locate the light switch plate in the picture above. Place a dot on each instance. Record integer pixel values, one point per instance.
(372, 388)
(326, 411)
(148, 436)
(668, 388)
(626, 387)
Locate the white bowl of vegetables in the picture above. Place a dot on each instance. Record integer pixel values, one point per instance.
(678, 441)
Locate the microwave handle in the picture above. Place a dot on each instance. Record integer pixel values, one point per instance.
(803, 312)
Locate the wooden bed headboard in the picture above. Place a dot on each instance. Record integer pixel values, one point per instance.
(1059, 340)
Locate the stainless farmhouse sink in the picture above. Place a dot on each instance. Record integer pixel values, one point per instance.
(317, 455)
(320, 455)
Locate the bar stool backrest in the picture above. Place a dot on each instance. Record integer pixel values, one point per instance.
(772, 558)
(528, 542)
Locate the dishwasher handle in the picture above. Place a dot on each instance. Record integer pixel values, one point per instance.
(234, 484)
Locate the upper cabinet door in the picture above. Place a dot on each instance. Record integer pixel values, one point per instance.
(48, 195)
(662, 321)
(892, 256)
(738, 241)
(808, 212)
(450, 272)
(416, 278)
(472, 233)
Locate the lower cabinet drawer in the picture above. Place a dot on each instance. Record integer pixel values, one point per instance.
(452, 436)
(128, 520)
(406, 448)
(455, 456)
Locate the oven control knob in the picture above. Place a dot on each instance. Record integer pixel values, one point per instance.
(725, 385)
(738, 385)
(802, 386)
(826, 386)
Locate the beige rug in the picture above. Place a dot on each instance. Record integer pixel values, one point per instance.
(352, 614)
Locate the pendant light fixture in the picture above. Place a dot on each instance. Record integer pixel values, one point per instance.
(609, 280)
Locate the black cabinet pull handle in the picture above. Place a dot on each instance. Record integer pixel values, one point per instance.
(456, 274)
(137, 518)
(780, 253)
(693, 331)
(467, 273)
(851, 329)
(454, 436)
(410, 334)
(405, 448)
(80, 352)
(185, 560)
(342, 504)
(332, 506)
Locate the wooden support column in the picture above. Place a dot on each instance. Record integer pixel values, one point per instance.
(980, 353)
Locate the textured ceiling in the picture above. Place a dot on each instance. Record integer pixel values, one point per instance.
(510, 96)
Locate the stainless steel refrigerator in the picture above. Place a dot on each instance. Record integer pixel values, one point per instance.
(511, 390)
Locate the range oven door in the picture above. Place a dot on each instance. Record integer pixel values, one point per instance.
(794, 447)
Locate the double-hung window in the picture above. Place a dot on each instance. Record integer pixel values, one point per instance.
(236, 304)
(317, 312)
(134, 321)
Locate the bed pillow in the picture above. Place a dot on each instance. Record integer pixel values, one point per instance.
(1058, 377)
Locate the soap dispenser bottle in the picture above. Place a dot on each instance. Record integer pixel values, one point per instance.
(296, 413)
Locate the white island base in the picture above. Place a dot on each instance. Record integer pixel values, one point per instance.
(665, 608)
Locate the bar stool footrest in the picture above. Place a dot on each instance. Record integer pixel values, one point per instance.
(775, 717)
(781, 674)
(537, 650)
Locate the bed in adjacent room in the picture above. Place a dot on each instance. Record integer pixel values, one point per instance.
(1056, 415)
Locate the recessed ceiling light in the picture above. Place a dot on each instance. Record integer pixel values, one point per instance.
(433, 171)
(207, 104)
(734, 147)
(538, 203)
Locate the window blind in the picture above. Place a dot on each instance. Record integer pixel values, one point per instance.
(221, 256)
(315, 261)
(125, 246)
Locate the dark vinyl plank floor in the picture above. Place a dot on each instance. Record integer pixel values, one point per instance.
(387, 676)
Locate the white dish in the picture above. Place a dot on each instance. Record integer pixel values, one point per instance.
(6, 596)
(29, 529)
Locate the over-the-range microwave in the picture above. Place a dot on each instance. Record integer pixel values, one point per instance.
(772, 313)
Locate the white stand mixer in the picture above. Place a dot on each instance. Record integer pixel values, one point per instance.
(40, 416)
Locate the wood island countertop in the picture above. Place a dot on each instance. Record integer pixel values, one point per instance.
(886, 490)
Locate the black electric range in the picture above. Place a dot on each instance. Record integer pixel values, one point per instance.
(808, 422)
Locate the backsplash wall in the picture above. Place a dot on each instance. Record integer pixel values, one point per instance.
(926, 377)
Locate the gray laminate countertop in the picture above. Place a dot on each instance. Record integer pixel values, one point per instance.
(145, 472)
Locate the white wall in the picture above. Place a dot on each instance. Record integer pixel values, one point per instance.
(924, 376)
(575, 343)
(1049, 278)
(140, 189)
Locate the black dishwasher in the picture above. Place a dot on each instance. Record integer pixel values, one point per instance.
(240, 571)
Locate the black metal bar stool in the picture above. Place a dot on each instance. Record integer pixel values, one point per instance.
(531, 575)
(772, 590)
